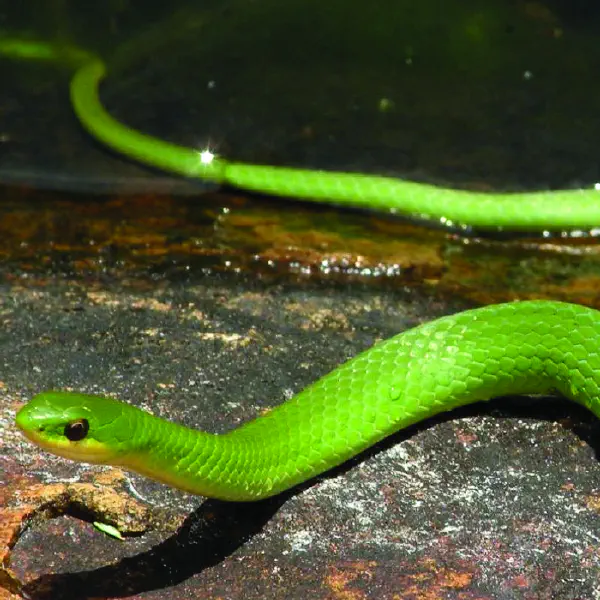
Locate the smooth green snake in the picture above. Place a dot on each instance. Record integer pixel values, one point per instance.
(543, 210)
(533, 347)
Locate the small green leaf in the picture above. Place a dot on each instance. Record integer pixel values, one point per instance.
(108, 530)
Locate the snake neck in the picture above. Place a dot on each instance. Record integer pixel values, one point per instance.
(245, 464)
(177, 456)
(242, 465)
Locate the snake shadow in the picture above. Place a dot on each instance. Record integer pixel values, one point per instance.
(217, 529)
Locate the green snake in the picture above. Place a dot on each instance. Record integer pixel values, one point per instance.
(534, 347)
(543, 210)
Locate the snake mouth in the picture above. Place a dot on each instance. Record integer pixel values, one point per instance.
(30, 434)
(89, 451)
(82, 451)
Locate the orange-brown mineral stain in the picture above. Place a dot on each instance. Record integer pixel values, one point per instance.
(434, 583)
(341, 578)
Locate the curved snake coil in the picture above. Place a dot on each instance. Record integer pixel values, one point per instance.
(536, 347)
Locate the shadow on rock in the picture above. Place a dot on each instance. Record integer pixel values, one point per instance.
(217, 529)
(208, 536)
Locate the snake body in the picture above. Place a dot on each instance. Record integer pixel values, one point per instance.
(452, 207)
(555, 210)
(534, 347)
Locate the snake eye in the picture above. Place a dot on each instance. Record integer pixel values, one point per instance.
(77, 430)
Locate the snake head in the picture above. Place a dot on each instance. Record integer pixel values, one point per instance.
(76, 426)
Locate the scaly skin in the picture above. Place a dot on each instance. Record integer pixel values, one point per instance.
(555, 210)
(518, 348)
